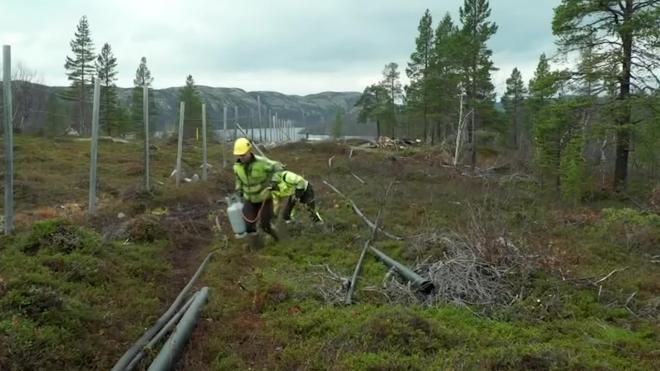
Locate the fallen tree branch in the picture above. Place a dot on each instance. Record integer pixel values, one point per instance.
(329, 293)
(358, 178)
(217, 224)
(610, 274)
(359, 212)
(358, 266)
(356, 272)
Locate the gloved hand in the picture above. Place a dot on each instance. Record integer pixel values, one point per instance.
(265, 193)
(239, 196)
(299, 193)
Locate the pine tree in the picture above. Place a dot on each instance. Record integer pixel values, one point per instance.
(588, 84)
(513, 101)
(122, 117)
(106, 67)
(418, 71)
(475, 32)
(392, 86)
(193, 114)
(445, 73)
(558, 137)
(543, 86)
(338, 125)
(588, 79)
(558, 123)
(622, 33)
(142, 78)
(374, 105)
(80, 71)
(56, 116)
(571, 168)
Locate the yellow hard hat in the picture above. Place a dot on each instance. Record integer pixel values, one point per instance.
(242, 146)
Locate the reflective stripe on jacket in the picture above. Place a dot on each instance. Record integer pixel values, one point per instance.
(253, 179)
(286, 183)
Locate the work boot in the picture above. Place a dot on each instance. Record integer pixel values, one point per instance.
(282, 229)
(272, 232)
(255, 242)
(316, 217)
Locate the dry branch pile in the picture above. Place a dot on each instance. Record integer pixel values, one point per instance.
(332, 286)
(472, 272)
(395, 143)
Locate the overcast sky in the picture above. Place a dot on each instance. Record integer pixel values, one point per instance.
(290, 46)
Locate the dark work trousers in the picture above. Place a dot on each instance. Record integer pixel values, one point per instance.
(307, 199)
(259, 210)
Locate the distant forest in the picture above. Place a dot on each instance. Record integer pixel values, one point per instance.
(590, 127)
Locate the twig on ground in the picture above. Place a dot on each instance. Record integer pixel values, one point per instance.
(609, 275)
(358, 178)
(192, 224)
(330, 293)
(217, 224)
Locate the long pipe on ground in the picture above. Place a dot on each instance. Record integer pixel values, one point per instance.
(170, 352)
(139, 345)
(422, 285)
(167, 328)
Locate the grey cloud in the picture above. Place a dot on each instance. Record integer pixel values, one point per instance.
(258, 40)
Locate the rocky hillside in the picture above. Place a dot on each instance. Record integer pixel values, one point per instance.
(311, 110)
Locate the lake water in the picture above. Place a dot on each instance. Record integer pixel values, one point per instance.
(276, 135)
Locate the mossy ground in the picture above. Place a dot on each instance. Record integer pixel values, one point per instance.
(75, 293)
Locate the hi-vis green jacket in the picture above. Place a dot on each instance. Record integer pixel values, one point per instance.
(254, 178)
(286, 184)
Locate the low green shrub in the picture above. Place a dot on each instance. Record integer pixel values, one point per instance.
(58, 236)
(631, 228)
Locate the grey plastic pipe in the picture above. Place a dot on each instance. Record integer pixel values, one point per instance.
(168, 327)
(170, 352)
(424, 286)
(139, 345)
